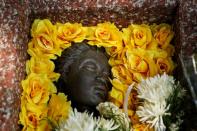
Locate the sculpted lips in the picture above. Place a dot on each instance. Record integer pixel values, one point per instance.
(100, 90)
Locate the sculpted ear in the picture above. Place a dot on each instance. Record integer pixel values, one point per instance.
(62, 86)
(64, 74)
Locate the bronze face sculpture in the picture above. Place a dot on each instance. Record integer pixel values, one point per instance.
(84, 76)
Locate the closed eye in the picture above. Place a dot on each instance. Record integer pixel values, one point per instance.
(89, 67)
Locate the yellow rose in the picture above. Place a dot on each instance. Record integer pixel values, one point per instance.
(157, 53)
(59, 108)
(44, 125)
(142, 127)
(105, 32)
(42, 66)
(137, 77)
(170, 50)
(134, 118)
(40, 110)
(165, 65)
(141, 63)
(106, 35)
(141, 34)
(133, 102)
(66, 33)
(120, 58)
(127, 37)
(163, 34)
(117, 93)
(153, 45)
(35, 123)
(37, 88)
(113, 61)
(137, 36)
(41, 26)
(116, 97)
(31, 114)
(138, 64)
(121, 73)
(114, 50)
(139, 60)
(23, 112)
(30, 120)
(44, 42)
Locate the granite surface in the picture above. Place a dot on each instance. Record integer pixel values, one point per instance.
(16, 17)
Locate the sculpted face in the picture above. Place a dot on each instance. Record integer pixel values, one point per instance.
(88, 79)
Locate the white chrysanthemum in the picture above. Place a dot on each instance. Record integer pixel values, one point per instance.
(109, 110)
(174, 127)
(106, 125)
(152, 114)
(154, 93)
(78, 122)
(156, 89)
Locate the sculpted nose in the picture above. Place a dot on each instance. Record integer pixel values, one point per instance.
(101, 76)
(103, 79)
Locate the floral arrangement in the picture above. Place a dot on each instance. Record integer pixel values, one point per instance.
(158, 95)
(112, 119)
(136, 53)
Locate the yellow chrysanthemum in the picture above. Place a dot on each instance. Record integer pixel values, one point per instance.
(44, 42)
(67, 33)
(42, 66)
(163, 34)
(37, 88)
(59, 108)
